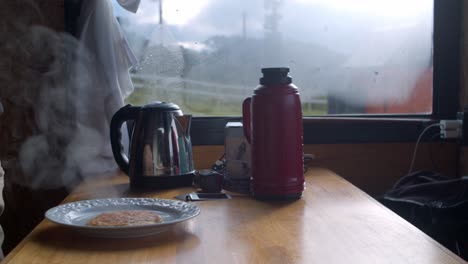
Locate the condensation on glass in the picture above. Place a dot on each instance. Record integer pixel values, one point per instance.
(346, 57)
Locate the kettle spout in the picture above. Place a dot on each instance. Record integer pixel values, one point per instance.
(185, 122)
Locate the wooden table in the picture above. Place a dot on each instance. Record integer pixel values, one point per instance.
(334, 222)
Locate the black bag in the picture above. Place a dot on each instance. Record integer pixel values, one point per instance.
(425, 188)
(436, 204)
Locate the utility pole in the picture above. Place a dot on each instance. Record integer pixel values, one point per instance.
(161, 29)
(160, 12)
(272, 17)
(244, 26)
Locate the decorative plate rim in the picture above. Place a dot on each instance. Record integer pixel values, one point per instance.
(58, 213)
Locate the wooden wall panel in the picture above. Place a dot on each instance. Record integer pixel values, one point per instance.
(376, 167)
(372, 167)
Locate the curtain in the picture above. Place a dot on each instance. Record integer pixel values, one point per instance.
(109, 57)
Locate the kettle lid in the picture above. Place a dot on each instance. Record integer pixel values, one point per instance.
(164, 106)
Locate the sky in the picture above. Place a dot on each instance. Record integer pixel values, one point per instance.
(334, 23)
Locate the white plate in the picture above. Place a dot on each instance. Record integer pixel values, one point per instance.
(75, 215)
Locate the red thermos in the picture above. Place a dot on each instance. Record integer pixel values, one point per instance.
(272, 120)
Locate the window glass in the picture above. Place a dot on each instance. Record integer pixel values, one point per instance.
(346, 57)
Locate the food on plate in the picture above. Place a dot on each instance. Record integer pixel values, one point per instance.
(125, 218)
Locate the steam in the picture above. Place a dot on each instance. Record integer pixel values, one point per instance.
(65, 148)
(50, 74)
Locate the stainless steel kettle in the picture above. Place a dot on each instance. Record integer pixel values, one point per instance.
(160, 145)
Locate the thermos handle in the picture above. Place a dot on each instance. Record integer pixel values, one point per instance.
(125, 113)
(246, 117)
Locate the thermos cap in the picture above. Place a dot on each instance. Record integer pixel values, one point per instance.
(275, 76)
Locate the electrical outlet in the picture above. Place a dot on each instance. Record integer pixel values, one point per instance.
(451, 129)
(448, 134)
(450, 124)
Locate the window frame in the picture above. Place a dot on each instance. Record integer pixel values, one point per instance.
(357, 128)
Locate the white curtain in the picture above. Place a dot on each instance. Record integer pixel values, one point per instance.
(110, 59)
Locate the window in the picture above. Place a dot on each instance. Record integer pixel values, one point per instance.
(346, 57)
(379, 70)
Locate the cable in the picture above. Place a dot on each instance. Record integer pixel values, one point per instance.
(431, 151)
(417, 143)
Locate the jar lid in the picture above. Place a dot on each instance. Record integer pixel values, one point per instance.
(166, 106)
(275, 76)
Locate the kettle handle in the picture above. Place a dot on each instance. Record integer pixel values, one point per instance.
(246, 117)
(125, 113)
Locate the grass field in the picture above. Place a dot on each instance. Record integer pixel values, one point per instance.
(202, 105)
